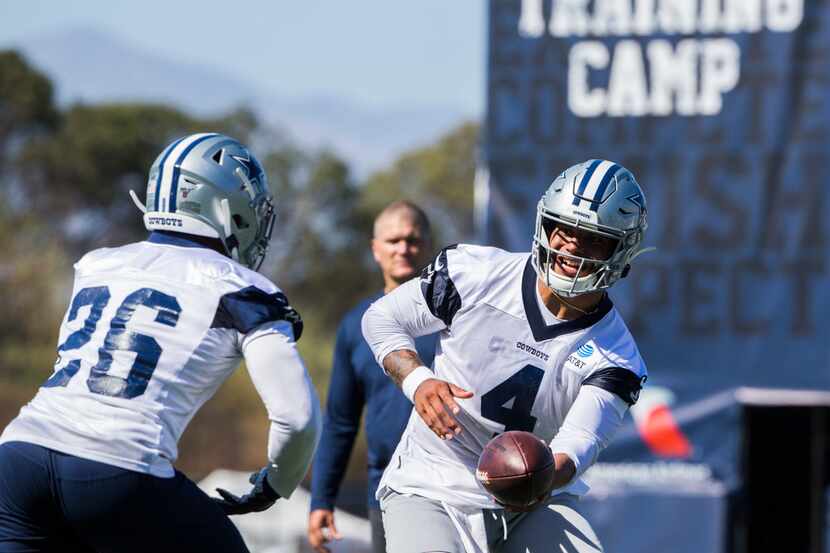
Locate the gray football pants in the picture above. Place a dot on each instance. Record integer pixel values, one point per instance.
(378, 537)
(415, 524)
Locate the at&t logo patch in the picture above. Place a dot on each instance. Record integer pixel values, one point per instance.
(585, 350)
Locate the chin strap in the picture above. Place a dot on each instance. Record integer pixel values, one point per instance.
(226, 226)
(137, 202)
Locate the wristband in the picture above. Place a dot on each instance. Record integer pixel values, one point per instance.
(413, 380)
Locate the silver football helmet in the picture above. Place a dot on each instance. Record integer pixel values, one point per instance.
(601, 201)
(210, 185)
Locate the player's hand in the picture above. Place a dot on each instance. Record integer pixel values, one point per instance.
(435, 402)
(321, 529)
(261, 496)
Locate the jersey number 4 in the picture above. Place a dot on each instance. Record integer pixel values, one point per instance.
(119, 338)
(510, 402)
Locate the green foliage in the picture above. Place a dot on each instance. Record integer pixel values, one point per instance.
(35, 279)
(321, 236)
(35, 283)
(97, 154)
(229, 431)
(26, 103)
(69, 174)
(438, 177)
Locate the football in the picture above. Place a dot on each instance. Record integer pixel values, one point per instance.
(516, 468)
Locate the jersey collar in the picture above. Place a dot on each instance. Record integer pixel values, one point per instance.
(540, 330)
(173, 239)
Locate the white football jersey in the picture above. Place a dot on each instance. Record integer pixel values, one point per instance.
(153, 329)
(524, 373)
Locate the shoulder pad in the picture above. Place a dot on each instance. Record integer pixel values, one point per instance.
(457, 276)
(250, 307)
(438, 288)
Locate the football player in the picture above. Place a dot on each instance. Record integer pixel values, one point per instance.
(152, 330)
(528, 341)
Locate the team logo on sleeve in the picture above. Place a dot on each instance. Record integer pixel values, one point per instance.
(429, 270)
(635, 394)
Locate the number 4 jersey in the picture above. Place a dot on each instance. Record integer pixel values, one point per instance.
(524, 367)
(152, 331)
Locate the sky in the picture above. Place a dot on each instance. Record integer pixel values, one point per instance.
(376, 52)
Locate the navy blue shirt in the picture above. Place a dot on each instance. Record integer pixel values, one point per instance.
(357, 381)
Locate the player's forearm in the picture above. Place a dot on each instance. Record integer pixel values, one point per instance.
(399, 364)
(590, 424)
(296, 425)
(291, 445)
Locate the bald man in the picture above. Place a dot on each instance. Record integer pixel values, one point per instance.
(400, 245)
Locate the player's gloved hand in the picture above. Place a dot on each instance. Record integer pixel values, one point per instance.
(258, 499)
(435, 401)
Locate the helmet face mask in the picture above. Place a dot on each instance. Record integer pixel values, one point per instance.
(259, 247)
(598, 206)
(211, 185)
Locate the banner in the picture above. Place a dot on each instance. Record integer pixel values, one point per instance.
(719, 108)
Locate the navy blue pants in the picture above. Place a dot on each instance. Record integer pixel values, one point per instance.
(50, 501)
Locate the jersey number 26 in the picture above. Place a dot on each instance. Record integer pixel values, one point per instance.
(119, 338)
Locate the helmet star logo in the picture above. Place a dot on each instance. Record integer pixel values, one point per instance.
(250, 165)
(637, 199)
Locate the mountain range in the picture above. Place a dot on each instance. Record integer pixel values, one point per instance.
(91, 66)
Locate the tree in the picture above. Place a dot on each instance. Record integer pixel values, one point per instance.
(438, 177)
(79, 177)
(26, 102)
(26, 110)
(28, 288)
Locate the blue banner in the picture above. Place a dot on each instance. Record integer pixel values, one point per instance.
(719, 108)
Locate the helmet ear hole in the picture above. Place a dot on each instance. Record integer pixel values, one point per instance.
(239, 221)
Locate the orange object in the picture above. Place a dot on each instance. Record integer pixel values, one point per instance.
(662, 434)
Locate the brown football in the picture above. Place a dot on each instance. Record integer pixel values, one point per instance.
(516, 468)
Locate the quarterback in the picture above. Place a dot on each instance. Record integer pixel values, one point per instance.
(152, 330)
(528, 341)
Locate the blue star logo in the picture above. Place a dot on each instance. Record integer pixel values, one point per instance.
(251, 167)
(637, 199)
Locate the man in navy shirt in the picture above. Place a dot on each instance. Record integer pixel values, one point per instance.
(400, 245)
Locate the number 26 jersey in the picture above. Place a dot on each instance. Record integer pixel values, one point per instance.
(152, 331)
(523, 366)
